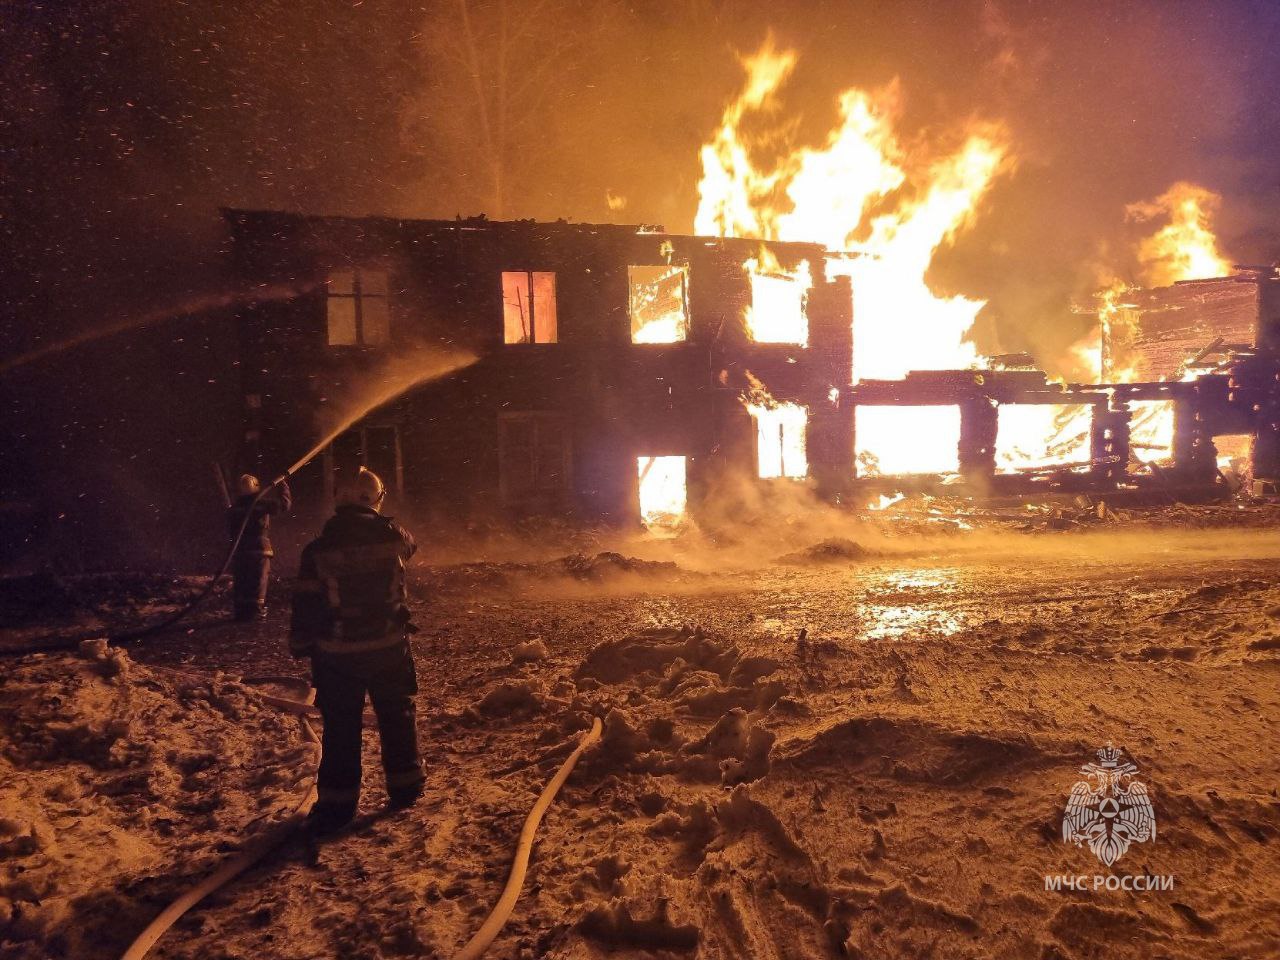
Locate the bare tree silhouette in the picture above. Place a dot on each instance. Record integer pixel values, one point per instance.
(495, 70)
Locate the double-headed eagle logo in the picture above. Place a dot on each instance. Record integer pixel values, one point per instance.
(1110, 813)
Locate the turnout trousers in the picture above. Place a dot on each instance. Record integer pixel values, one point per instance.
(342, 681)
(249, 572)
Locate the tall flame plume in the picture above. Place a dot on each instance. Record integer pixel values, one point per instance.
(1185, 248)
(885, 211)
(860, 192)
(863, 193)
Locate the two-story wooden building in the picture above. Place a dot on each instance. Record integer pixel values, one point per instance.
(611, 364)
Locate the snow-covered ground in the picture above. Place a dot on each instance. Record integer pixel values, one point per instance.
(889, 783)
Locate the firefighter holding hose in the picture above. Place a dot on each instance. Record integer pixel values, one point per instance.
(251, 563)
(349, 616)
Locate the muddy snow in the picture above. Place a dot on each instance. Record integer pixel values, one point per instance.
(120, 784)
(838, 751)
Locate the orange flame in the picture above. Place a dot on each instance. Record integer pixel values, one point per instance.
(861, 192)
(663, 492)
(781, 429)
(1185, 248)
(890, 210)
(826, 195)
(776, 313)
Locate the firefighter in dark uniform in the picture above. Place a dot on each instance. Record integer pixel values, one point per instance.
(251, 565)
(349, 616)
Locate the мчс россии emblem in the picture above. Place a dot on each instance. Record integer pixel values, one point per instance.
(1110, 809)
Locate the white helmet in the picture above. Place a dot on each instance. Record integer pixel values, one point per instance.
(248, 484)
(365, 489)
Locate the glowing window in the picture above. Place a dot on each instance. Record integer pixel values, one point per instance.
(1151, 430)
(1042, 435)
(528, 307)
(659, 304)
(357, 308)
(1234, 450)
(777, 313)
(890, 441)
(663, 493)
(780, 440)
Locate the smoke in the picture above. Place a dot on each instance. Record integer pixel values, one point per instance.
(128, 123)
(147, 115)
(390, 380)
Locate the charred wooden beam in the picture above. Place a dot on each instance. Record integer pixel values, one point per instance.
(1109, 443)
(979, 425)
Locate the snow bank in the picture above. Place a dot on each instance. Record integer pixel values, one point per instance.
(119, 782)
(532, 652)
(675, 679)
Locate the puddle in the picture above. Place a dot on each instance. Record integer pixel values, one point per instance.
(887, 622)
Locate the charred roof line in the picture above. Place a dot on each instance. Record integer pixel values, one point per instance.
(239, 215)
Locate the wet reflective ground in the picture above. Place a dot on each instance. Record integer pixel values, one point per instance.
(932, 726)
(1112, 585)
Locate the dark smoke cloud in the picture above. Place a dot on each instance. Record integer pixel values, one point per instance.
(126, 123)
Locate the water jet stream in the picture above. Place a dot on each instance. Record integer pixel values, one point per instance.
(398, 377)
(196, 306)
(404, 374)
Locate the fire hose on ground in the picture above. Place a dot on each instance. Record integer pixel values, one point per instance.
(251, 854)
(477, 945)
(260, 846)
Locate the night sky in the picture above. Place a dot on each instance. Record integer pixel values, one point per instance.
(127, 124)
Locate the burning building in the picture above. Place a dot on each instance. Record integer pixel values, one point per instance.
(1188, 380)
(619, 368)
(1196, 365)
(624, 372)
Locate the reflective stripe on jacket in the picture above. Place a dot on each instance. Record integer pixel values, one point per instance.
(350, 589)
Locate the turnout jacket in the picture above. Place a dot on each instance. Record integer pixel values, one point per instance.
(349, 595)
(257, 532)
